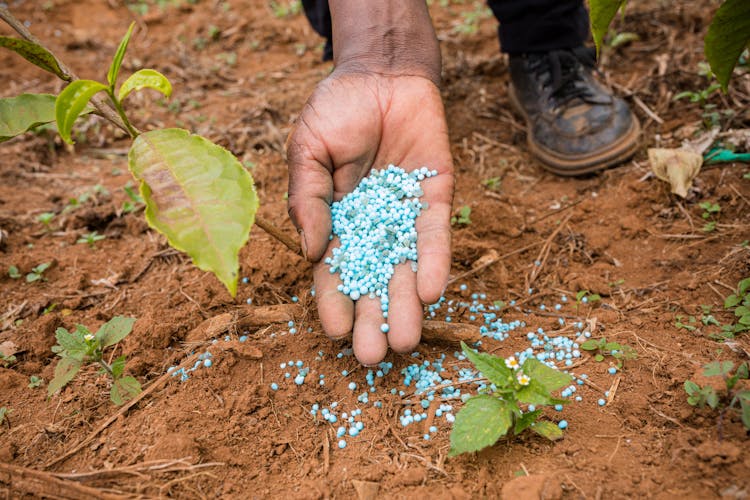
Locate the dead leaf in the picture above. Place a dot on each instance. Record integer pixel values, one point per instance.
(678, 167)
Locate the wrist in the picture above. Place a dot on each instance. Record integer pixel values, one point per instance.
(392, 38)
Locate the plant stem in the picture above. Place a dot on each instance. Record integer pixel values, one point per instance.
(120, 111)
(99, 103)
(107, 368)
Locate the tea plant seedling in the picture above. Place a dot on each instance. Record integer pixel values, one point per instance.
(81, 347)
(734, 400)
(488, 416)
(35, 381)
(463, 217)
(621, 352)
(13, 272)
(37, 273)
(91, 238)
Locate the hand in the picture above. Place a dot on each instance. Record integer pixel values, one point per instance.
(355, 121)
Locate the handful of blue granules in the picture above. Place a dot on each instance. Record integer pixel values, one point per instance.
(375, 225)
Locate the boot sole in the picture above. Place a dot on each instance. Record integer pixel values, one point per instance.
(573, 165)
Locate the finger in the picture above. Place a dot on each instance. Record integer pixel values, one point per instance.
(405, 311)
(335, 309)
(434, 240)
(310, 190)
(370, 344)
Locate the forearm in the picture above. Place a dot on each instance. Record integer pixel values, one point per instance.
(393, 37)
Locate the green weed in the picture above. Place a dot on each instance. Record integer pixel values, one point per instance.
(463, 216)
(488, 416)
(81, 347)
(13, 272)
(35, 381)
(620, 352)
(91, 238)
(37, 273)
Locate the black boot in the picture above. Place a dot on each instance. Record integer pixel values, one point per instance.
(574, 125)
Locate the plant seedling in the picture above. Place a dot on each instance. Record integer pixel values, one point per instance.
(493, 183)
(620, 352)
(37, 273)
(463, 217)
(91, 238)
(13, 272)
(710, 211)
(739, 303)
(488, 416)
(35, 381)
(6, 361)
(81, 347)
(135, 201)
(734, 400)
(46, 218)
(689, 325)
(584, 296)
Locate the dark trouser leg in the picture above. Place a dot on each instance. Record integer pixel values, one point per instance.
(540, 25)
(319, 15)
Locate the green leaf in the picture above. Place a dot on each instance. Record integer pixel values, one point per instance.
(23, 113)
(550, 378)
(547, 429)
(712, 399)
(71, 103)
(602, 12)
(727, 36)
(715, 368)
(123, 389)
(13, 272)
(732, 301)
(525, 421)
(35, 54)
(742, 371)
(741, 311)
(691, 387)
(71, 343)
(479, 424)
(492, 367)
(118, 367)
(65, 370)
(145, 78)
(743, 286)
(534, 394)
(745, 413)
(590, 345)
(114, 68)
(114, 330)
(198, 195)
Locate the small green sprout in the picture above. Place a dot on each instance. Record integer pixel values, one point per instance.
(700, 96)
(135, 201)
(493, 183)
(13, 272)
(35, 381)
(463, 217)
(46, 218)
(91, 239)
(488, 416)
(734, 400)
(81, 347)
(689, 325)
(710, 211)
(621, 352)
(8, 360)
(584, 296)
(37, 273)
(739, 304)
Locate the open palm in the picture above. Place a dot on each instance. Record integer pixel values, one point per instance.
(354, 122)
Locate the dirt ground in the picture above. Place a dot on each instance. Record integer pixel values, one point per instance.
(241, 70)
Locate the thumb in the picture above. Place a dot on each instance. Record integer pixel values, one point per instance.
(310, 192)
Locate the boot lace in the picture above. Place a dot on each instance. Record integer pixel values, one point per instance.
(561, 73)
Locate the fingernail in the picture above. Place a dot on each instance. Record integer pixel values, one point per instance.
(302, 243)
